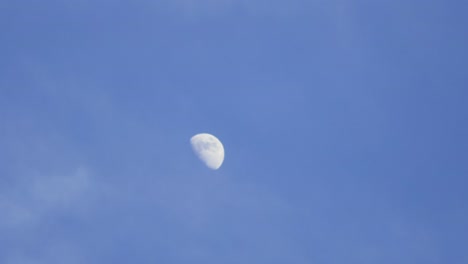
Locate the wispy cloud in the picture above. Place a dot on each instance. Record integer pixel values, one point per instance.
(38, 195)
(36, 202)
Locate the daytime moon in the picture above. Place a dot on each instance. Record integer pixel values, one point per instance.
(208, 149)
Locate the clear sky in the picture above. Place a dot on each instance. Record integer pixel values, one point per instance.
(345, 127)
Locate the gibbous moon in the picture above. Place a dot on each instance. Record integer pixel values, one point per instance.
(208, 149)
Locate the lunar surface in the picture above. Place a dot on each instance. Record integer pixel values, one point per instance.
(208, 149)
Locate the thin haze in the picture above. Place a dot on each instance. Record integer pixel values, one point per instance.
(344, 125)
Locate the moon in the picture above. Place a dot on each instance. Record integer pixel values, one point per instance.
(208, 149)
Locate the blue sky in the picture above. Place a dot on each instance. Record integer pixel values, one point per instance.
(344, 125)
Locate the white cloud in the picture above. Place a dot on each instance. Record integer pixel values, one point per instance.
(37, 195)
(33, 204)
(61, 191)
